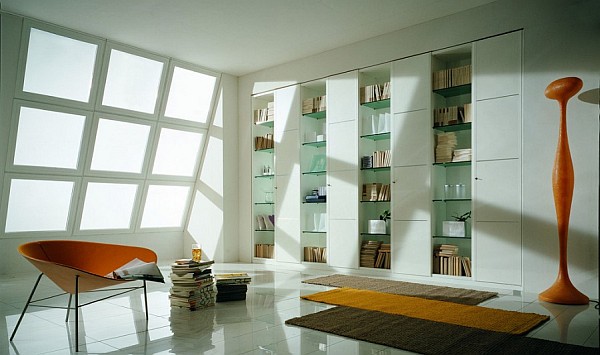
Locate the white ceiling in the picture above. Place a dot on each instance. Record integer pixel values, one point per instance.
(237, 36)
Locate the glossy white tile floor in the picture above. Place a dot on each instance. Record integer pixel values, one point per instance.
(256, 326)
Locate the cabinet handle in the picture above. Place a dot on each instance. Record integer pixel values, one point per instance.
(328, 184)
(393, 182)
(478, 178)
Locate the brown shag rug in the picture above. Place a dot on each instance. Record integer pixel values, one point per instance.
(426, 336)
(439, 293)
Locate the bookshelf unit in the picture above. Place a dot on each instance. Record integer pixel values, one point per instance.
(313, 167)
(375, 163)
(452, 168)
(263, 172)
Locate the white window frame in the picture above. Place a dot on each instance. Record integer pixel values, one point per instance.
(19, 93)
(184, 217)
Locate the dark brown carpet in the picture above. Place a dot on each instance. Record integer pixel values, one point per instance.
(427, 337)
(439, 293)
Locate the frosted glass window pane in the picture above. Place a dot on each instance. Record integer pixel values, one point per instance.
(108, 206)
(132, 82)
(49, 139)
(165, 206)
(38, 205)
(120, 146)
(177, 152)
(59, 66)
(190, 95)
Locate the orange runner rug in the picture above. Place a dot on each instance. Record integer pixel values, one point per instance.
(439, 311)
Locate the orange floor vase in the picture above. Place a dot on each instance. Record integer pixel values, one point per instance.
(563, 181)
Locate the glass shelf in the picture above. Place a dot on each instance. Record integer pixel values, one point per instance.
(453, 163)
(377, 104)
(316, 202)
(314, 144)
(263, 203)
(266, 150)
(377, 136)
(265, 123)
(454, 90)
(315, 232)
(383, 168)
(451, 199)
(376, 234)
(264, 176)
(454, 127)
(315, 172)
(367, 201)
(264, 230)
(317, 115)
(445, 236)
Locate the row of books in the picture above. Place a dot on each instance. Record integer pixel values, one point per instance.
(316, 104)
(368, 253)
(379, 159)
(193, 284)
(462, 155)
(376, 92)
(265, 114)
(384, 257)
(376, 192)
(232, 286)
(452, 115)
(446, 261)
(315, 254)
(447, 78)
(265, 222)
(264, 142)
(264, 251)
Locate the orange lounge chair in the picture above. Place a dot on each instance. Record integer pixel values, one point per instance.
(80, 266)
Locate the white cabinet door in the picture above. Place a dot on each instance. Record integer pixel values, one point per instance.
(287, 154)
(343, 248)
(342, 97)
(410, 195)
(411, 84)
(342, 195)
(287, 109)
(498, 128)
(498, 191)
(498, 256)
(342, 146)
(287, 240)
(411, 138)
(497, 69)
(411, 247)
(287, 195)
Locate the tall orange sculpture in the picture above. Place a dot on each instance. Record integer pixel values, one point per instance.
(563, 181)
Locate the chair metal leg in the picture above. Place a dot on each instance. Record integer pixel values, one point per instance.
(26, 305)
(76, 313)
(145, 300)
(68, 308)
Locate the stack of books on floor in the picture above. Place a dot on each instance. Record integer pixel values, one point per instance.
(193, 284)
(446, 261)
(368, 253)
(232, 287)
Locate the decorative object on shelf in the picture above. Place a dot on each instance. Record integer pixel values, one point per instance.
(456, 228)
(379, 226)
(319, 163)
(268, 196)
(563, 181)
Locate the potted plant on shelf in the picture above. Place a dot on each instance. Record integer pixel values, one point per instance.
(379, 226)
(456, 228)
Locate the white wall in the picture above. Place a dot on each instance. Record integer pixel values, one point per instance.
(560, 39)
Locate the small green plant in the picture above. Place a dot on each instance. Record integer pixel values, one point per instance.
(385, 215)
(463, 217)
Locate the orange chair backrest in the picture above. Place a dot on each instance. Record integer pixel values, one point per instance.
(61, 260)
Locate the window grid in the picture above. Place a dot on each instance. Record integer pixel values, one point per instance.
(143, 179)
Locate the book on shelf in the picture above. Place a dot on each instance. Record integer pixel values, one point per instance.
(315, 254)
(264, 250)
(447, 78)
(267, 114)
(264, 142)
(376, 192)
(446, 116)
(265, 222)
(375, 92)
(468, 113)
(368, 253)
(379, 159)
(446, 142)
(447, 261)
(461, 155)
(383, 260)
(315, 104)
